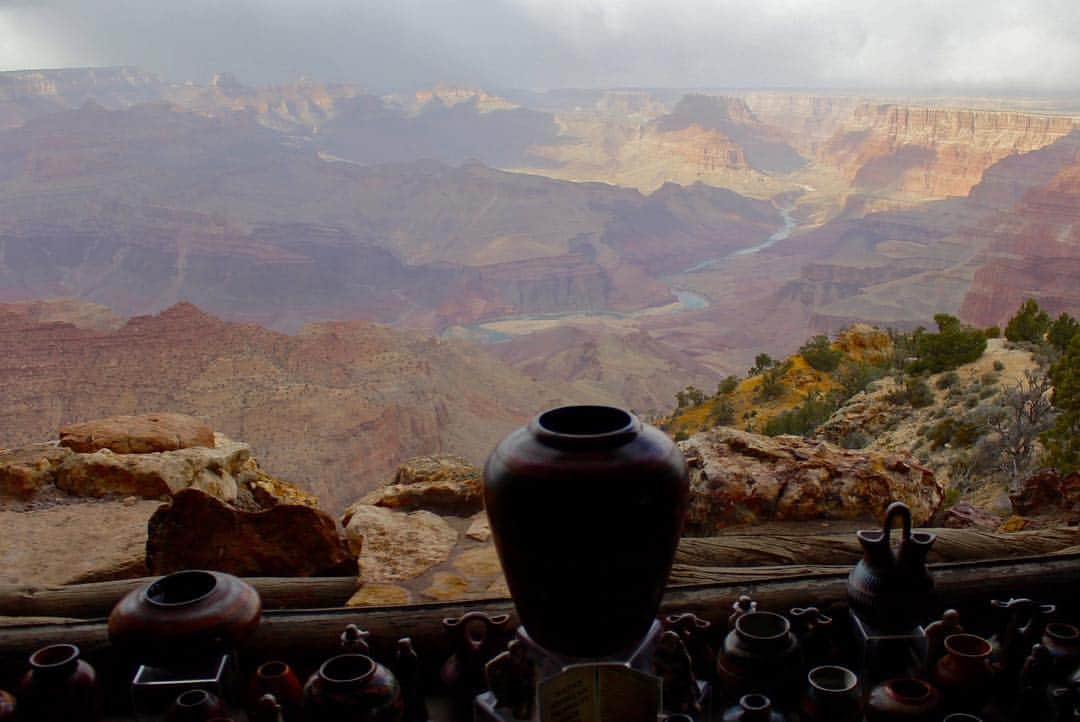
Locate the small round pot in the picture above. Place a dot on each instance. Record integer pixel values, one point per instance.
(7, 706)
(184, 615)
(903, 700)
(586, 506)
(964, 674)
(196, 705)
(753, 708)
(60, 687)
(1063, 643)
(832, 695)
(353, 688)
(278, 679)
(759, 655)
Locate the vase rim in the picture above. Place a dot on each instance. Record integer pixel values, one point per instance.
(909, 688)
(850, 679)
(54, 657)
(1063, 631)
(272, 669)
(347, 668)
(746, 623)
(193, 698)
(755, 702)
(591, 424)
(967, 645)
(181, 589)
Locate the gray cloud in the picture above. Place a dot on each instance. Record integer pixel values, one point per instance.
(985, 44)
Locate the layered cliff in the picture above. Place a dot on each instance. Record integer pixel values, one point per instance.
(933, 152)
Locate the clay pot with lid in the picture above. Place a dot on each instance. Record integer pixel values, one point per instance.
(586, 505)
(903, 700)
(759, 655)
(890, 590)
(60, 687)
(184, 615)
(964, 674)
(353, 688)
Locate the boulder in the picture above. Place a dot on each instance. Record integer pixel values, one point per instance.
(966, 516)
(267, 491)
(446, 485)
(157, 474)
(25, 471)
(395, 546)
(737, 477)
(1047, 491)
(198, 531)
(137, 434)
(74, 543)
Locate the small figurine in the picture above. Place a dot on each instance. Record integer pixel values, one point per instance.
(936, 633)
(814, 630)
(407, 670)
(511, 677)
(355, 640)
(672, 663)
(694, 632)
(1021, 629)
(742, 605)
(475, 638)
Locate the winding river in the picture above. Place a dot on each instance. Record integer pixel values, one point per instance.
(783, 233)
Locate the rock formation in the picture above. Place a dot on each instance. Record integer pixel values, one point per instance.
(1048, 492)
(137, 434)
(447, 485)
(743, 478)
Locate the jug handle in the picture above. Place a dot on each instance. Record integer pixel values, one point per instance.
(897, 509)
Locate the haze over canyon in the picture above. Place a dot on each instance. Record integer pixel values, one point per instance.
(345, 279)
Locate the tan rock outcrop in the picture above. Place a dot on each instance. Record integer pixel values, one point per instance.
(395, 546)
(26, 470)
(156, 474)
(197, 530)
(442, 484)
(137, 434)
(740, 478)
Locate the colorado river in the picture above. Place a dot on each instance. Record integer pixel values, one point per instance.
(783, 233)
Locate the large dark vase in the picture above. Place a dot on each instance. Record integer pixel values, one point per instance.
(903, 700)
(892, 590)
(186, 614)
(759, 655)
(586, 506)
(353, 688)
(60, 687)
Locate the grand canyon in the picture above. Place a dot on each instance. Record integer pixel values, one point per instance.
(345, 279)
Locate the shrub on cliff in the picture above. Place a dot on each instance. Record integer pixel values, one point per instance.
(1029, 324)
(1062, 331)
(954, 345)
(1062, 441)
(820, 354)
(803, 420)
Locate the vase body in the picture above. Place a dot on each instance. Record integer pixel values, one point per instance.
(891, 590)
(277, 678)
(353, 688)
(196, 705)
(753, 708)
(586, 506)
(1062, 641)
(7, 706)
(759, 655)
(60, 687)
(832, 695)
(903, 700)
(964, 674)
(184, 615)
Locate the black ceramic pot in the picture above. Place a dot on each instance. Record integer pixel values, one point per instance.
(353, 688)
(60, 687)
(586, 506)
(759, 655)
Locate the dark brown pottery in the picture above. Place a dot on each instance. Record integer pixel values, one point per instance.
(1022, 623)
(759, 655)
(964, 674)
(196, 705)
(891, 590)
(937, 631)
(475, 638)
(7, 706)
(267, 709)
(60, 687)
(903, 700)
(694, 632)
(814, 630)
(410, 676)
(186, 614)
(353, 688)
(586, 506)
(277, 678)
(1062, 641)
(832, 695)
(753, 708)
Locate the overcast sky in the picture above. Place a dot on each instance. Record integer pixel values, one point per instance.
(385, 44)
